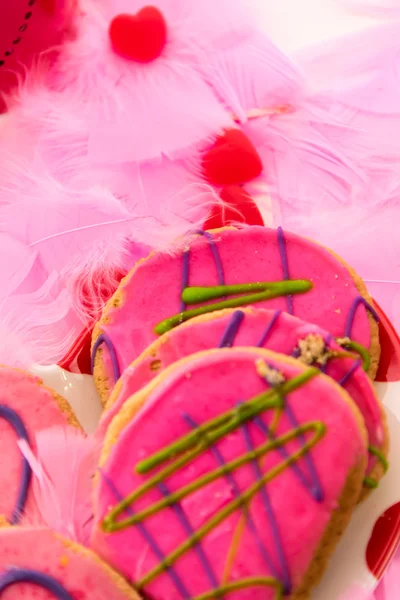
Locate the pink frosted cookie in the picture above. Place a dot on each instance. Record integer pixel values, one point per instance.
(273, 330)
(26, 407)
(36, 564)
(227, 476)
(230, 268)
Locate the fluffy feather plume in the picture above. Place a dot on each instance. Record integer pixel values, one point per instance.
(303, 167)
(349, 231)
(63, 468)
(55, 201)
(347, 191)
(36, 319)
(214, 59)
(123, 100)
(248, 73)
(90, 237)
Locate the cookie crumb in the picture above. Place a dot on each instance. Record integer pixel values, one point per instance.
(344, 341)
(313, 350)
(155, 365)
(273, 376)
(338, 311)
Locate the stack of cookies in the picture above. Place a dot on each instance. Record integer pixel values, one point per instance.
(240, 428)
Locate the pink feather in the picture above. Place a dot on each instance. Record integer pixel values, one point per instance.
(367, 238)
(302, 167)
(209, 44)
(353, 110)
(389, 586)
(123, 101)
(63, 469)
(374, 8)
(39, 326)
(90, 235)
(36, 319)
(55, 201)
(248, 72)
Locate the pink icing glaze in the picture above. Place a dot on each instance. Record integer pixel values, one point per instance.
(203, 334)
(205, 386)
(38, 549)
(152, 292)
(38, 410)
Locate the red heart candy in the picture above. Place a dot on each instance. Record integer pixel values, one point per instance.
(232, 160)
(239, 207)
(139, 37)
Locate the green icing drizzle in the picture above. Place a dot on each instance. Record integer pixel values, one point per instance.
(175, 497)
(380, 456)
(231, 507)
(261, 292)
(232, 419)
(199, 441)
(359, 349)
(368, 481)
(242, 584)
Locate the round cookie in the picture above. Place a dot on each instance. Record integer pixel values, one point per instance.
(39, 565)
(227, 475)
(26, 407)
(273, 330)
(163, 290)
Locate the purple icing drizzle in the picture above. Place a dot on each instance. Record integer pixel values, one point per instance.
(184, 521)
(104, 339)
(232, 329)
(352, 314)
(283, 452)
(15, 575)
(217, 258)
(186, 266)
(16, 423)
(185, 277)
(177, 581)
(285, 572)
(316, 490)
(353, 369)
(285, 266)
(269, 328)
(236, 490)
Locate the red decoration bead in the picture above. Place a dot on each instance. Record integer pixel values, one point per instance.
(238, 207)
(232, 160)
(140, 37)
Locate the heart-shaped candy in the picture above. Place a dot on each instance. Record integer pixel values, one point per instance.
(238, 207)
(232, 160)
(139, 37)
